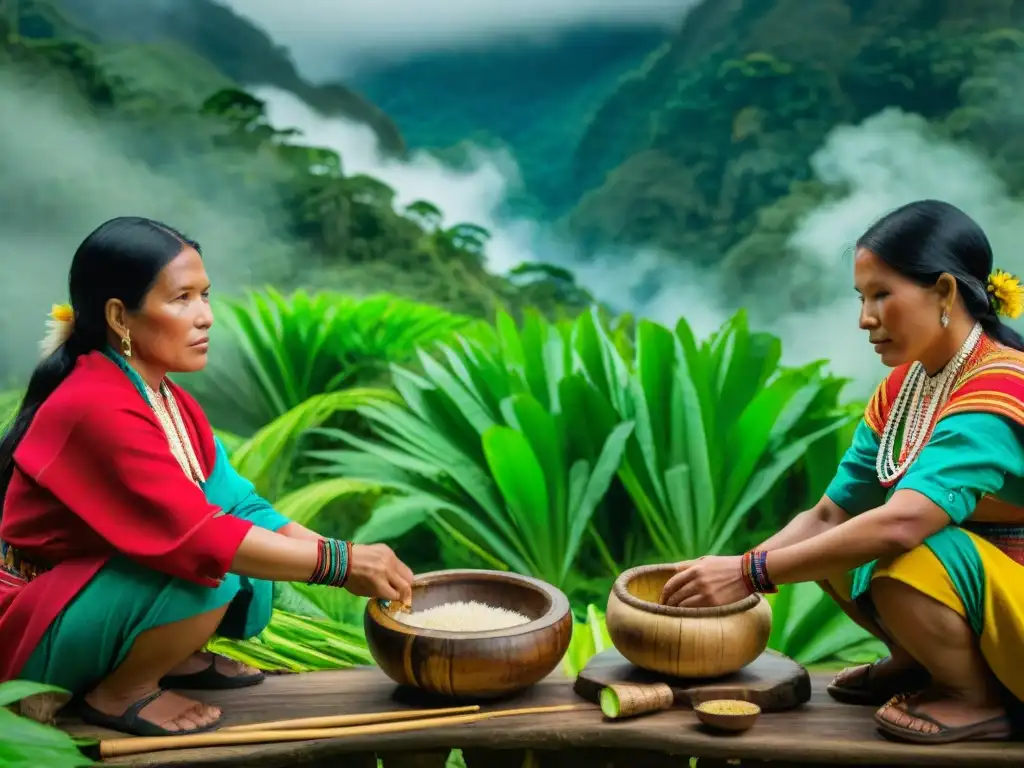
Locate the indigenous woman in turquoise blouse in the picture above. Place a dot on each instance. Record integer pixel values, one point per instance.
(920, 535)
(127, 538)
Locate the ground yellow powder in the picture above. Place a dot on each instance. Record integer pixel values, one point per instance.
(729, 707)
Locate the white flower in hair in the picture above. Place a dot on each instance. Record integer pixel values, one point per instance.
(58, 328)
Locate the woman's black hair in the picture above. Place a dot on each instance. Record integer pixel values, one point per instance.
(121, 259)
(923, 239)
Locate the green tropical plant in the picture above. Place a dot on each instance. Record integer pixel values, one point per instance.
(311, 628)
(589, 637)
(269, 459)
(296, 643)
(486, 442)
(283, 350)
(810, 628)
(446, 450)
(496, 468)
(718, 425)
(24, 743)
(9, 402)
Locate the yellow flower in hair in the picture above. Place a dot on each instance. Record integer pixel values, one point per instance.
(58, 328)
(1007, 294)
(62, 313)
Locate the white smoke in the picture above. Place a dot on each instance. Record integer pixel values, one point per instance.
(889, 159)
(476, 195)
(881, 163)
(62, 174)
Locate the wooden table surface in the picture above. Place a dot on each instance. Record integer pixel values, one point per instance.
(820, 732)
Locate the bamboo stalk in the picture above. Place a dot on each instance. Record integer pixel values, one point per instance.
(138, 745)
(339, 721)
(630, 700)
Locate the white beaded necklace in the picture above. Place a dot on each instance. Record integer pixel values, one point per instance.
(919, 400)
(167, 413)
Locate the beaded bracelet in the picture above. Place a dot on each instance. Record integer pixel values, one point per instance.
(332, 563)
(755, 572)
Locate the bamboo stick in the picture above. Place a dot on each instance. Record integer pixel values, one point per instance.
(339, 721)
(140, 744)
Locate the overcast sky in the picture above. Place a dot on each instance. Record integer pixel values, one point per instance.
(326, 35)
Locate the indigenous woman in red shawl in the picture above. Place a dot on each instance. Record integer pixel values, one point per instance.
(920, 535)
(127, 538)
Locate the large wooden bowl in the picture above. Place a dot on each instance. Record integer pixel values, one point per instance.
(473, 665)
(683, 642)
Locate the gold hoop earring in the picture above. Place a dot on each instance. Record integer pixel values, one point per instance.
(126, 343)
(944, 320)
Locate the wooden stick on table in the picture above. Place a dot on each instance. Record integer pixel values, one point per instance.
(138, 745)
(340, 721)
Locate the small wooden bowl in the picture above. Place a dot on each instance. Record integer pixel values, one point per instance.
(683, 642)
(728, 721)
(473, 665)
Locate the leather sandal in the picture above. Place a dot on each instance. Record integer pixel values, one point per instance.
(210, 679)
(995, 728)
(131, 722)
(859, 688)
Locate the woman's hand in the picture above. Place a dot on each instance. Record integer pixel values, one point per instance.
(375, 571)
(706, 582)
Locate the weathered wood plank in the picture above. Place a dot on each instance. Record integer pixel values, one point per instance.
(822, 731)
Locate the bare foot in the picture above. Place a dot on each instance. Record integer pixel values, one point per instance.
(171, 710)
(197, 662)
(941, 706)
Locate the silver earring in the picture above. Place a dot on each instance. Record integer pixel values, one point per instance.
(944, 320)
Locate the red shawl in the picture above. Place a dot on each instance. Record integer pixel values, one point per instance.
(94, 477)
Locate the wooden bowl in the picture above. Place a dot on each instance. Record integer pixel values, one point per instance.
(683, 642)
(709, 713)
(473, 665)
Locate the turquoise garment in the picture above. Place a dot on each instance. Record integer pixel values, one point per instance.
(94, 633)
(855, 487)
(969, 455)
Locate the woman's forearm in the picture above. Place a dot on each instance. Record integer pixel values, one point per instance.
(889, 530)
(272, 556)
(803, 526)
(295, 531)
(806, 525)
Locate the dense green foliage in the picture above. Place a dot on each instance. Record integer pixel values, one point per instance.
(26, 743)
(699, 144)
(298, 209)
(388, 388)
(531, 97)
(706, 148)
(566, 450)
(147, 42)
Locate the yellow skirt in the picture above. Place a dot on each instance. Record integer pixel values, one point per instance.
(970, 576)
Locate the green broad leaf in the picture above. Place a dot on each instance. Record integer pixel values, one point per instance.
(305, 504)
(392, 519)
(13, 691)
(597, 486)
(28, 744)
(697, 451)
(266, 459)
(520, 477)
(751, 435)
(547, 442)
(763, 481)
